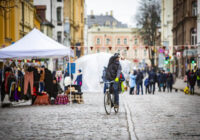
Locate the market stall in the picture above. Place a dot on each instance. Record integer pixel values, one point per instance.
(34, 45)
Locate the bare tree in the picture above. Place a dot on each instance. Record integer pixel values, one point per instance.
(148, 20)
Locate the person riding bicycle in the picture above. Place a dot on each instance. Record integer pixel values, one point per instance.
(113, 74)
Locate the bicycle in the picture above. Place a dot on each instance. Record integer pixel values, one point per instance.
(109, 98)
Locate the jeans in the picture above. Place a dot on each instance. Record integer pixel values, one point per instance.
(192, 89)
(116, 92)
(152, 87)
(138, 88)
(198, 83)
(146, 89)
(105, 87)
(41, 86)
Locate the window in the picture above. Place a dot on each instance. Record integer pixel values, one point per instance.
(125, 41)
(135, 41)
(194, 9)
(59, 16)
(136, 53)
(59, 37)
(107, 41)
(118, 41)
(107, 23)
(59, 0)
(98, 51)
(193, 34)
(145, 53)
(98, 41)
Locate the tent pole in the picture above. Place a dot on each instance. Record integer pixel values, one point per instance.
(70, 77)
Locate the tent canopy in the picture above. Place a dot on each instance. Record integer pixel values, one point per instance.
(35, 45)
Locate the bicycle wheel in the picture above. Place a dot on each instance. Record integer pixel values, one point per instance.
(107, 103)
(116, 109)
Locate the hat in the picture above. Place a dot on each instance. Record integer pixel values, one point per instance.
(79, 70)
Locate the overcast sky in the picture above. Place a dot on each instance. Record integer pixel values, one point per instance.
(123, 10)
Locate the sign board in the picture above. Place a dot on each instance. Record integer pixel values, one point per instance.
(73, 68)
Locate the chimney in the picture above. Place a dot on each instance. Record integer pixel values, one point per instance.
(111, 13)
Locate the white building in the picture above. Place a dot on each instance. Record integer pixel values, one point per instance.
(198, 32)
(166, 26)
(54, 14)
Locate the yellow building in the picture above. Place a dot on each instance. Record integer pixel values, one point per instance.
(17, 18)
(74, 12)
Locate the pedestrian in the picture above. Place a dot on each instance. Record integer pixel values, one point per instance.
(78, 80)
(152, 80)
(192, 80)
(164, 80)
(198, 77)
(159, 78)
(132, 82)
(170, 82)
(146, 84)
(139, 82)
(104, 79)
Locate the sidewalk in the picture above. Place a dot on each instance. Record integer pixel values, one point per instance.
(180, 85)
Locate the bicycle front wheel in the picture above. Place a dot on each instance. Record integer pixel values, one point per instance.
(107, 103)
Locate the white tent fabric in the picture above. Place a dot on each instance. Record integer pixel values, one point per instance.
(92, 69)
(35, 45)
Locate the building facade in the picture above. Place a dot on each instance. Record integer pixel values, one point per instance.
(54, 15)
(166, 29)
(184, 34)
(17, 18)
(74, 17)
(106, 34)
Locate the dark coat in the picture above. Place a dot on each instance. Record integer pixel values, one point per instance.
(139, 78)
(48, 81)
(113, 69)
(192, 79)
(152, 77)
(170, 79)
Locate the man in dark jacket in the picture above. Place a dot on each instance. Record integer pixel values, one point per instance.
(192, 80)
(113, 74)
(139, 82)
(152, 80)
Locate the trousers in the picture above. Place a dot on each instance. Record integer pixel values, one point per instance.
(28, 78)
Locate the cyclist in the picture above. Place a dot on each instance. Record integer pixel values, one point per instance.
(113, 74)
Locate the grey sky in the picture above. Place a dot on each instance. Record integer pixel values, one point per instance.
(123, 10)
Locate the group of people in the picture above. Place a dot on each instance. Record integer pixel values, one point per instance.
(163, 79)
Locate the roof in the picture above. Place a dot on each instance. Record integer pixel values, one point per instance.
(104, 20)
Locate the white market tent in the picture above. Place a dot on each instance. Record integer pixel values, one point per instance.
(35, 45)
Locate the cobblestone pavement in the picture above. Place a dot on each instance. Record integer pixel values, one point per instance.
(78, 121)
(145, 117)
(165, 116)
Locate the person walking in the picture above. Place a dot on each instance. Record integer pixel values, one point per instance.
(192, 80)
(159, 78)
(139, 81)
(152, 81)
(132, 82)
(198, 77)
(170, 82)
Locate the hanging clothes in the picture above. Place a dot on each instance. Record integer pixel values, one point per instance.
(28, 78)
(48, 81)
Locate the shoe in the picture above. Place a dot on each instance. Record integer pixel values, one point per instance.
(116, 106)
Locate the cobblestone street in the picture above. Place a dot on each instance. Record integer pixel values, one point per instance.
(159, 116)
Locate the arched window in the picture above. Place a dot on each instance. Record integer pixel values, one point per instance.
(194, 8)
(98, 41)
(125, 41)
(193, 34)
(58, 11)
(145, 53)
(135, 41)
(118, 41)
(107, 41)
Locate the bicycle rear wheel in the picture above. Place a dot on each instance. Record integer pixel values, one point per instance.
(107, 103)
